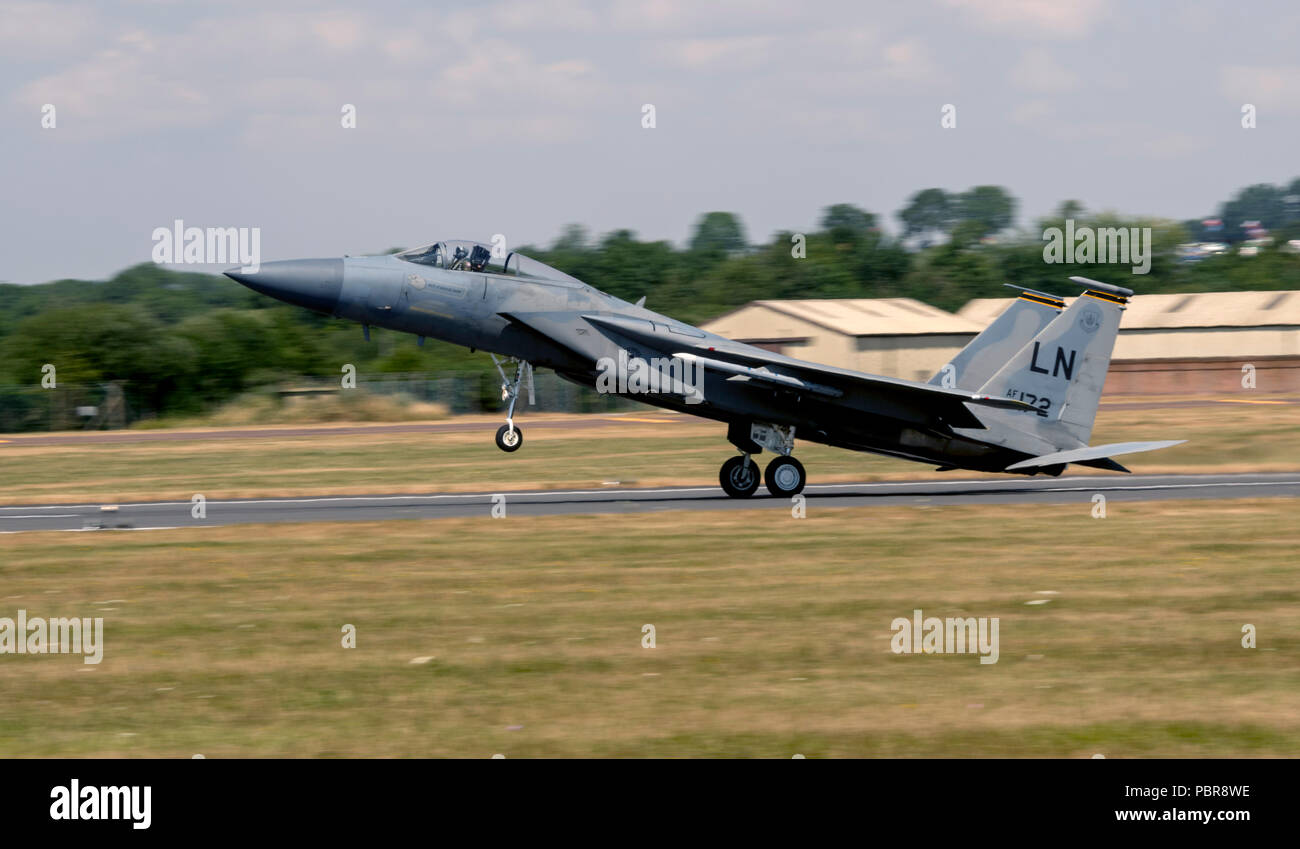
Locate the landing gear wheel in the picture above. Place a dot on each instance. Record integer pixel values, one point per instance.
(739, 477)
(785, 477)
(509, 439)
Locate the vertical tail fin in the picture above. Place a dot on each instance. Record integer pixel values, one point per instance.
(999, 342)
(1062, 370)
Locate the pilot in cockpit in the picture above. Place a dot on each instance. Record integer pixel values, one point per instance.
(470, 260)
(478, 258)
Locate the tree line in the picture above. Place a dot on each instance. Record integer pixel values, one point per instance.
(183, 342)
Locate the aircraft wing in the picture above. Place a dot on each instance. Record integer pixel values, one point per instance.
(745, 362)
(884, 385)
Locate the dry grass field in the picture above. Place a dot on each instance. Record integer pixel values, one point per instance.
(1119, 636)
(648, 449)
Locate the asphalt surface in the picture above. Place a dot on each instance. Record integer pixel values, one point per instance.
(178, 514)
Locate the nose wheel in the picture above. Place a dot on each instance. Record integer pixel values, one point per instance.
(509, 438)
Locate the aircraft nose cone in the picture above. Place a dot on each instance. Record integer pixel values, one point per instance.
(311, 283)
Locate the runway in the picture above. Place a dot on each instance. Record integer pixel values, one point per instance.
(326, 508)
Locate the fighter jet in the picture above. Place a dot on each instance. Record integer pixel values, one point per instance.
(1020, 398)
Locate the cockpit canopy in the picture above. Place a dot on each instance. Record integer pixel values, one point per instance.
(462, 255)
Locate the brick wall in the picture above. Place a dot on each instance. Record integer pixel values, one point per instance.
(1199, 376)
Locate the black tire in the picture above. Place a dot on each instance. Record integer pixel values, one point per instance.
(504, 435)
(738, 479)
(785, 477)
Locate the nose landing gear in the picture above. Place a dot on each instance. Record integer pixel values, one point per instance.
(509, 437)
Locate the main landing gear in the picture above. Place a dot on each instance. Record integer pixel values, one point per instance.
(509, 437)
(785, 476)
(739, 477)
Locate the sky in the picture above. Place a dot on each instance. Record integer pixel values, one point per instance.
(518, 118)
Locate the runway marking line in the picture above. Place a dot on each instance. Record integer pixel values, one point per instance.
(46, 516)
(646, 421)
(1244, 401)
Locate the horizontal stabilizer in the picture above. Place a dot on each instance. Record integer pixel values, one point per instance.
(1098, 452)
(1105, 463)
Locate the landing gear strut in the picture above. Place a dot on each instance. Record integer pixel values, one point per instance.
(509, 437)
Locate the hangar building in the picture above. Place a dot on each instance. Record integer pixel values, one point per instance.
(1196, 343)
(1172, 344)
(895, 337)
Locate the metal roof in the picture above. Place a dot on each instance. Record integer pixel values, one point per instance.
(865, 316)
(1198, 309)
